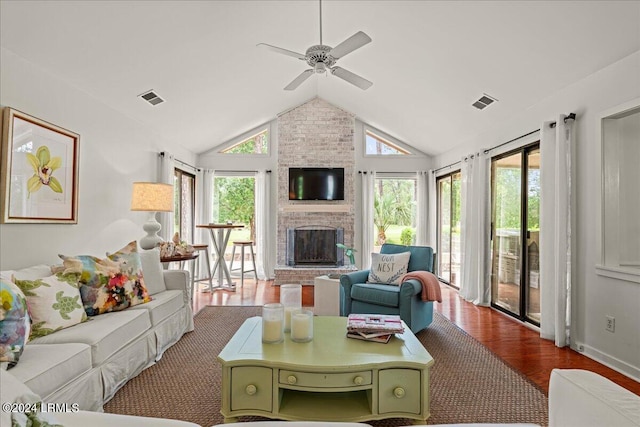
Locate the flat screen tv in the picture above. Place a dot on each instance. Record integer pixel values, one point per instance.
(316, 183)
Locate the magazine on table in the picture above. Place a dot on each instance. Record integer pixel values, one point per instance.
(375, 323)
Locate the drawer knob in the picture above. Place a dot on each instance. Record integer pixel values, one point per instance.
(358, 380)
(251, 389)
(398, 392)
(292, 379)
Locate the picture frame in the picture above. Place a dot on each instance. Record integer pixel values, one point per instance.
(39, 178)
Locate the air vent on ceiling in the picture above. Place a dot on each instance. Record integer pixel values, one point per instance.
(151, 97)
(484, 101)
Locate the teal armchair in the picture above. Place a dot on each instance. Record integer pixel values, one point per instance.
(358, 296)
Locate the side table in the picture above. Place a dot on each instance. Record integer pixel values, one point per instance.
(181, 259)
(326, 296)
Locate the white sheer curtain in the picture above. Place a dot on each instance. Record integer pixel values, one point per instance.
(204, 213)
(166, 176)
(556, 200)
(475, 204)
(432, 217)
(367, 196)
(265, 261)
(422, 200)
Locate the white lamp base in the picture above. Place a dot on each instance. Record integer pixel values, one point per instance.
(152, 226)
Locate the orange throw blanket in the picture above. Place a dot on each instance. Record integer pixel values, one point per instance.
(430, 284)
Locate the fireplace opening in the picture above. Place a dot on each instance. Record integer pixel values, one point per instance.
(314, 246)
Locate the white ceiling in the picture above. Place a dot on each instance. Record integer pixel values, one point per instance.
(428, 61)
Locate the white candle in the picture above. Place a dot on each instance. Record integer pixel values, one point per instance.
(287, 317)
(302, 326)
(272, 330)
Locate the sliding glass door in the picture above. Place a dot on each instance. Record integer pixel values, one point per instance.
(515, 183)
(448, 250)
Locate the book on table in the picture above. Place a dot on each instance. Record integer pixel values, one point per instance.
(373, 327)
(384, 338)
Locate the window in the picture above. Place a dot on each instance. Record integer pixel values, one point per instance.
(184, 196)
(448, 250)
(234, 201)
(376, 145)
(395, 211)
(515, 233)
(255, 144)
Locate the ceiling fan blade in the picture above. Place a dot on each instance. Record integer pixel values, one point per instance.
(354, 42)
(282, 51)
(298, 80)
(354, 79)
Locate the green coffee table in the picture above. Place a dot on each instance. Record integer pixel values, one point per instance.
(332, 378)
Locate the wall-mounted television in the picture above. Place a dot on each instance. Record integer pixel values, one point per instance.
(316, 183)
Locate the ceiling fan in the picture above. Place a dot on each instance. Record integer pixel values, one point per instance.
(322, 58)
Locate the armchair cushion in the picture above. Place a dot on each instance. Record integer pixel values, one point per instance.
(388, 268)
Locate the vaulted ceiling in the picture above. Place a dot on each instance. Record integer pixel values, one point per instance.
(428, 61)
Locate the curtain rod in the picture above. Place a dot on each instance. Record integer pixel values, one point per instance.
(237, 171)
(182, 163)
(570, 116)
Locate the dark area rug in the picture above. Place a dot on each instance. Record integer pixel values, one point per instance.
(468, 382)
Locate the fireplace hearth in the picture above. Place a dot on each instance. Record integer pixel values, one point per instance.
(312, 246)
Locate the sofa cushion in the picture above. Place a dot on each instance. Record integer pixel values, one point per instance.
(111, 284)
(46, 368)
(152, 271)
(14, 323)
(54, 304)
(388, 296)
(388, 268)
(163, 305)
(106, 334)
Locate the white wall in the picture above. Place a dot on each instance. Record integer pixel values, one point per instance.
(114, 152)
(595, 296)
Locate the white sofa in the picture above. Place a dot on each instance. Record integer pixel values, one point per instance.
(87, 363)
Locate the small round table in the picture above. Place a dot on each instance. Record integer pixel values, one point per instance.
(182, 259)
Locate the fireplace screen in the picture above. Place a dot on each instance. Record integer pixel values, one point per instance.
(314, 245)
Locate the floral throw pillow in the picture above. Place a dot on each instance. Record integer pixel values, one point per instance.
(14, 323)
(110, 284)
(54, 303)
(388, 268)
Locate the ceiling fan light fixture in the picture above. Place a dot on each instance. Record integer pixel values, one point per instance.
(320, 68)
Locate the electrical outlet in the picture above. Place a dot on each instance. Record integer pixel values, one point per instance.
(611, 324)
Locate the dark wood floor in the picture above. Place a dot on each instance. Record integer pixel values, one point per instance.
(518, 345)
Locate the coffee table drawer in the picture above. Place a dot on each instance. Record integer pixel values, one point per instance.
(325, 380)
(399, 391)
(251, 388)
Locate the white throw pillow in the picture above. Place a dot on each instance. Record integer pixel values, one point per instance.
(54, 303)
(388, 268)
(152, 271)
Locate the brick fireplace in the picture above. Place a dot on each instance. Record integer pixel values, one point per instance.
(315, 134)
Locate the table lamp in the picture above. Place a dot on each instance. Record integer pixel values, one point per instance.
(151, 197)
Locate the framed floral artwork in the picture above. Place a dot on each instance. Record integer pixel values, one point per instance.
(39, 179)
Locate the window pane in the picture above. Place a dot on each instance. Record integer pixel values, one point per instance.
(234, 201)
(395, 211)
(444, 228)
(533, 235)
(507, 209)
(375, 145)
(257, 144)
(456, 257)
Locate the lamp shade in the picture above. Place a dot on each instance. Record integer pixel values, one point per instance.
(152, 197)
